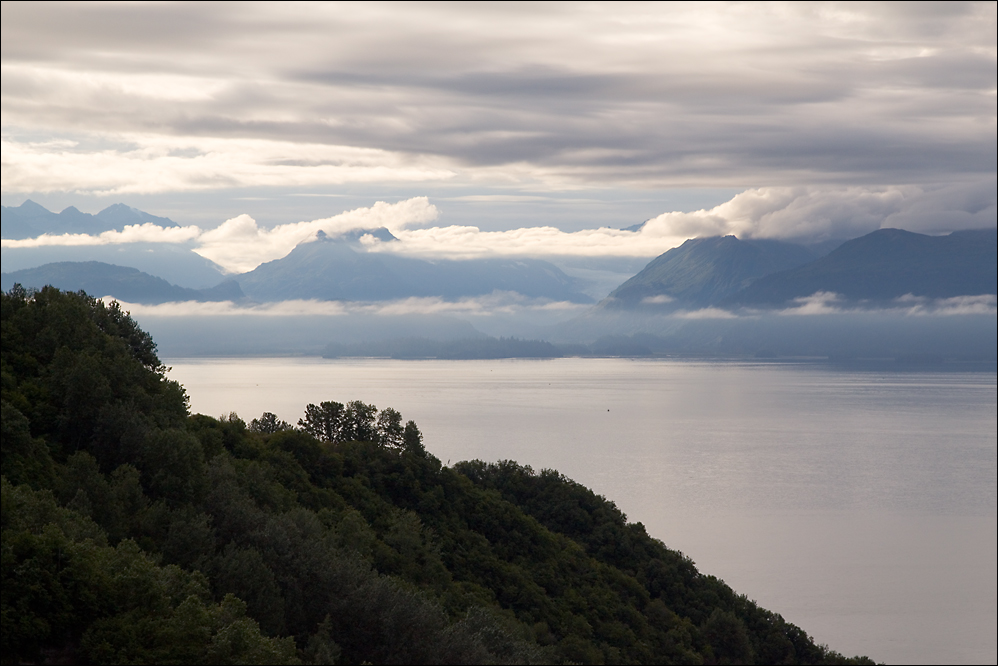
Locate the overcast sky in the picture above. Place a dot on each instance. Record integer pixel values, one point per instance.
(825, 119)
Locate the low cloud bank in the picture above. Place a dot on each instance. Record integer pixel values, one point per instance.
(823, 303)
(803, 214)
(506, 304)
(132, 233)
(828, 303)
(497, 303)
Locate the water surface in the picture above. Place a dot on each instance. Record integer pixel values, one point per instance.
(859, 505)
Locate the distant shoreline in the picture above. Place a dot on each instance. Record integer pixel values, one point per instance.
(859, 364)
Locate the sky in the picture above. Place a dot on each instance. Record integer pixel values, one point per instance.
(504, 129)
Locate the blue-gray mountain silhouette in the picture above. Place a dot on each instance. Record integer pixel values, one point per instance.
(174, 262)
(30, 220)
(126, 284)
(338, 269)
(887, 264)
(703, 271)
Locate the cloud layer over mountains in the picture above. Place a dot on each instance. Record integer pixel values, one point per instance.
(806, 214)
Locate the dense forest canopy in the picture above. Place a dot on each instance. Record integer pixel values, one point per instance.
(136, 532)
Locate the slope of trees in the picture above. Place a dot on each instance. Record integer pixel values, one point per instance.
(135, 532)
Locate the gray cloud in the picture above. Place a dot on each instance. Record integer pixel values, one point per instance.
(583, 95)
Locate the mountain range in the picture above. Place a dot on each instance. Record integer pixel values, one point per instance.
(331, 268)
(702, 271)
(324, 268)
(127, 284)
(30, 220)
(716, 272)
(884, 265)
(174, 262)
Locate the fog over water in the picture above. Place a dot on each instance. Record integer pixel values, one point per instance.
(859, 505)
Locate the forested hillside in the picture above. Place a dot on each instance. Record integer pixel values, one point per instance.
(135, 532)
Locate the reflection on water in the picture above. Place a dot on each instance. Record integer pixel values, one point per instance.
(859, 505)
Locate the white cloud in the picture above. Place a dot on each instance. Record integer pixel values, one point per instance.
(705, 313)
(818, 303)
(239, 245)
(496, 303)
(500, 304)
(467, 242)
(228, 308)
(132, 233)
(143, 164)
(817, 213)
(827, 303)
(805, 214)
(984, 304)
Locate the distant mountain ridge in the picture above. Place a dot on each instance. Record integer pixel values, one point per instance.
(328, 268)
(126, 284)
(885, 265)
(726, 272)
(30, 220)
(174, 262)
(333, 269)
(703, 271)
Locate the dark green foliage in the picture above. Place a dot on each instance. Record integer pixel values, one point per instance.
(390, 427)
(734, 628)
(412, 439)
(728, 638)
(268, 423)
(134, 533)
(357, 422)
(75, 368)
(323, 421)
(68, 594)
(25, 459)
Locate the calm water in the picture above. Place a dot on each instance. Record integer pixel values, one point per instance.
(859, 505)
